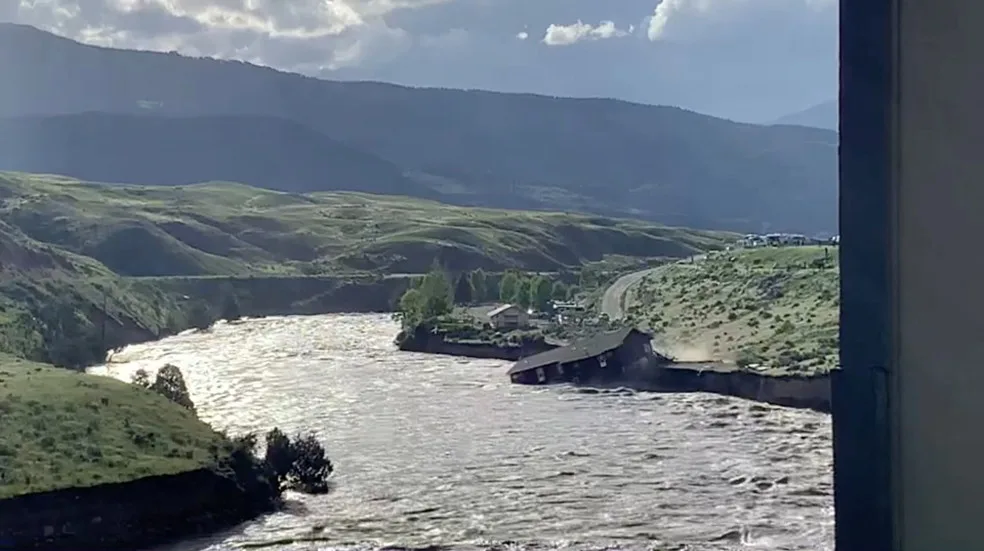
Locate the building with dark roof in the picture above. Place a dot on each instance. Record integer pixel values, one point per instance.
(600, 358)
(509, 316)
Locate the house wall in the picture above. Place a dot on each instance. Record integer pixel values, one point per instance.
(513, 317)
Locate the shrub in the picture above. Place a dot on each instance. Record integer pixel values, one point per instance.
(300, 464)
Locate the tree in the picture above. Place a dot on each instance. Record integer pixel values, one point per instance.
(541, 291)
(300, 464)
(523, 292)
(437, 293)
(411, 309)
(170, 383)
(141, 378)
(508, 286)
(479, 285)
(559, 291)
(464, 293)
(311, 467)
(279, 453)
(430, 299)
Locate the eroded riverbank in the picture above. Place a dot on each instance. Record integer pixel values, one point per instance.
(436, 450)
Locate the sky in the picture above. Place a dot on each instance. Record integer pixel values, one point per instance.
(747, 60)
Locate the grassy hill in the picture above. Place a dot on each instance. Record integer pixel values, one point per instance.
(75, 258)
(66, 429)
(775, 307)
(233, 229)
(471, 147)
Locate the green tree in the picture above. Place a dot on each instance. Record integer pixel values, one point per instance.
(541, 291)
(300, 464)
(464, 293)
(559, 291)
(479, 283)
(170, 383)
(523, 293)
(508, 286)
(411, 309)
(437, 294)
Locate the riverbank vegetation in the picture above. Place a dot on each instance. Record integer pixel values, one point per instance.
(770, 309)
(64, 429)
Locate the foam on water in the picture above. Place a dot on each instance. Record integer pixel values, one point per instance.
(441, 451)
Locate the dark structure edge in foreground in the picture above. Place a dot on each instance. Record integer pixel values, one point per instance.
(862, 489)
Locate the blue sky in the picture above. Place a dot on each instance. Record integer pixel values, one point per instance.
(750, 60)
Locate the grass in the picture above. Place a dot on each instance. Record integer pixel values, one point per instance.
(231, 229)
(775, 309)
(79, 257)
(66, 429)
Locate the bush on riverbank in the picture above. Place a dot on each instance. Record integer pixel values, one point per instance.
(300, 464)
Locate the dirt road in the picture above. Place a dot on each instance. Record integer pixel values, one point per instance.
(611, 301)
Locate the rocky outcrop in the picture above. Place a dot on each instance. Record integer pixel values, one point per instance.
(130, 515)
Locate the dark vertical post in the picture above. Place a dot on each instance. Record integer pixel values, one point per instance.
(862, 474)
(105, 315)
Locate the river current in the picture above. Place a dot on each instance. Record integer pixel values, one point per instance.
(435, 451)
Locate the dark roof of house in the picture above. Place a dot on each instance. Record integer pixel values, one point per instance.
(500, 309)
(578, 350)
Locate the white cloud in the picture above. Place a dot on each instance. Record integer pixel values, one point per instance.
(689, 18)
(522, 35)
(300, 35)
(565, 35)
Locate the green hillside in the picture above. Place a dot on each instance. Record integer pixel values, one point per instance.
(233, 229)
(772, 307)
(65, 429)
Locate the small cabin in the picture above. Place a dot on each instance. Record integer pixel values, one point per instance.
(509, 316)
(601, 358)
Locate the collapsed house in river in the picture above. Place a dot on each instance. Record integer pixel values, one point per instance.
(606, 357)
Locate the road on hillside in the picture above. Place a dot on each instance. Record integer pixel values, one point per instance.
(611, 301)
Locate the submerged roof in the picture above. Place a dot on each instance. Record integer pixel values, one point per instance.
(578, 350)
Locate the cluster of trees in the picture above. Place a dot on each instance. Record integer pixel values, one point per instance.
(169, 383)
(532, 290)
(431, 296)
(299, 463)
(434, 295)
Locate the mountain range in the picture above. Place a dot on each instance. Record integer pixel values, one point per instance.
(161, 118)
(822, 115)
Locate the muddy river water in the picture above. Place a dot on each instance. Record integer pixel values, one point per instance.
(441, 451)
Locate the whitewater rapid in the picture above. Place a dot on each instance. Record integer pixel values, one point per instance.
(441, 451)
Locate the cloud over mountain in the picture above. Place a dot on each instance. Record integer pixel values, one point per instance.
(780, 53)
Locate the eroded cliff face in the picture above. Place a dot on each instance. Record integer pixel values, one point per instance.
(791, 391)
(129, 515)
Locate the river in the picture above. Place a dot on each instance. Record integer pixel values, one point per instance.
(441, 451)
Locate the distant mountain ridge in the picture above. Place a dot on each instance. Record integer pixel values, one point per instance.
(262, 151)
(823, 115)
(463, 147)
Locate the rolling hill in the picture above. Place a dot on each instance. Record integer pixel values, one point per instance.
(823, 115)
(477, 148)
(232, 229)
